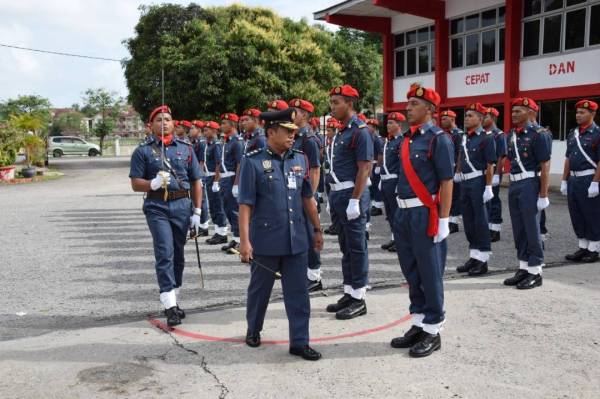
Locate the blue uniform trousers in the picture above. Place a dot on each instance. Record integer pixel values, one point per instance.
(494, 207)
(388, 192)
(230, 204)
(374, 188)
(215, 204)
(314, 257)
(525, 218)
(204, 216)
(422, 263)
(295, 294)
(351, 237)
(584, 211)
(169, 223)
(474, 213)
(455, 207)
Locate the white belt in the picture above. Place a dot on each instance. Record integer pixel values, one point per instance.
(390, 176)
(581, 173)
(227, 174)
(472, 175)
(410, 203)
(210, 174)
(341, 186)
(522, 176)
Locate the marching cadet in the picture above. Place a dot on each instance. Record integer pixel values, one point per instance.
(213, 158)
(477, 161)
(350, 168)
(167, 206)
(198, 142)
(421, 222)
(494, 206)
(331, 130)
(580, 182)
(376, 198)
(389, 168)
(276, 105)
(254, 137)
(275, 195)
(529, 151)
(182, 130)
(448, 123)
(233, 151)
(308, 142)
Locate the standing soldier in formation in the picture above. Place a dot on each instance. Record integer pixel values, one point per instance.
(376, 197)
(476, 168)
(529, 151)
(389, 171)
(213, 158)
(275, 198)
(421, 223)
(254, 137)
(330, 131)
(580, 182)
(350, 168)
(494, 206)
(198, 142)
(169, 183)
(448, 123)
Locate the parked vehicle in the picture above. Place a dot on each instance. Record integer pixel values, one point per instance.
(69, 145)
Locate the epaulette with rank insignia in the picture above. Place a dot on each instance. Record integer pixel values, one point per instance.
(254, 152)
(362, 126)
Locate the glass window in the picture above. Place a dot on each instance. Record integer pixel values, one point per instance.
(488, 46)
(595, 27)
(433, 57)
(411, 61)
(501, 12)
(57, 139)
(423, 35)
(411, 37)
(575, 29)
(472, 22)
(552, 33)
(457, 26)
(399, 40)
(472, 49)
(432, 32)
(399, 63)
(531, 38)
(501, 45)
(532, 7)
(573, 2)
(457, 52)
(551, 5)
(488, 18)
(423, 59)
(550, 117)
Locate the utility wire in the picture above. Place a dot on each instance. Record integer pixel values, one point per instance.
(59, 53)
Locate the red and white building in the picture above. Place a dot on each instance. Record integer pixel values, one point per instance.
(488, 51)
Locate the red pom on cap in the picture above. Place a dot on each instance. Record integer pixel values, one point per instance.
(345, 90)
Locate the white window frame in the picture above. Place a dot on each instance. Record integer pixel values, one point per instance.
(430, 43)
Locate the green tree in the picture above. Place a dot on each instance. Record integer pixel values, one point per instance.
(68, 122)
(33, 111)
(106, 106)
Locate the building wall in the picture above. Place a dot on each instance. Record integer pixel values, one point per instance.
(477, 81)
(404, 22)
(401, 85)
(459, 7)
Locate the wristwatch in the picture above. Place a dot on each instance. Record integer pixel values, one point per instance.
(318, 229)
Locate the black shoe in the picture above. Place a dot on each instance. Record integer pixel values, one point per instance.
(428, 344)
(173, 318)
(180, 312)
(478, 268)
(231, 244)
(314, 286)
(578, 255)
(467, 266)
(392, 248)
(387, 245)
(516, 279)
(530, 281)
(356, 307)
(253, 339)
(340, 304)
(217, 239)
(409, 338)
(591, 257)
(453, 228)
(305, 352)
(330, 230)
(233, 249)
(494, 236)
(376, 211)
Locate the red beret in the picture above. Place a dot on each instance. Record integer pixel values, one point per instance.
(230, 117)
(345, 90)
(448, 113)
(362, 117)
(493, 111)
(424, 93)
(302, 104)
(315, 122)
(187, 124)
(176, 123)
(279, 105)
(477, 107)
(199, 124)
(252, 112)
(163, 109)
(525, 102)
(373, 122)
(396, 116)
(212, 125)
(333, 123)
(587, 104)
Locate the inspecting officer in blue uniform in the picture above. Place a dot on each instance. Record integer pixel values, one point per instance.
(199, 145)
(580, 182)
(389, 171)
(350, 168)
(213, 156)
(275, 198)
(477, 164)
(529, 151)
(448, 123)
(254, 135)
(169, 183)
(421, 223)
(494, 206)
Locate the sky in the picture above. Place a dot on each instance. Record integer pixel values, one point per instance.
(89, 27)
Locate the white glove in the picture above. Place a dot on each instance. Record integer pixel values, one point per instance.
(593, 190)
(195, 219)
(496, 180)
(234, 191)
(443, 230)
(353, 209)
(457, 178)
(215, 187)
(377, 170)
(379, 185)
(161, 177)
(488, 194)
(542, 203)
(564, 187)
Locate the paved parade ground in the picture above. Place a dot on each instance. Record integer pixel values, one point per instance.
(80, 314)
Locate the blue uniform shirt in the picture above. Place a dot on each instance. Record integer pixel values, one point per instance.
(233, 151)
(353, 143)
(278, 224)
(590, 142)
(432, 158)
(307, 142)
(214, 153)
(377, 145)
(482, 151)
(500, 139)
(146, 162)
(256, 140)
(392, 156)
(456, 134)
(534, 144)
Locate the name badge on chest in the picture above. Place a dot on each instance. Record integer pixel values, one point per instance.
(291, 179)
